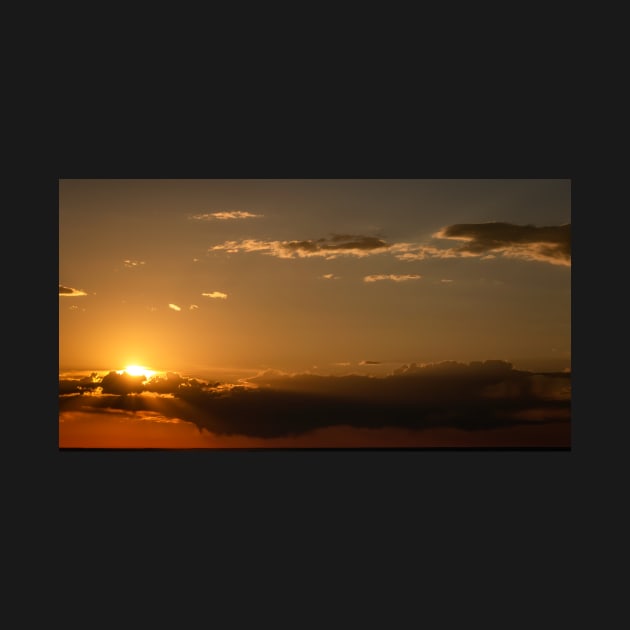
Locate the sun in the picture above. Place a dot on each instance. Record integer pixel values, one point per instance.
(139, 370)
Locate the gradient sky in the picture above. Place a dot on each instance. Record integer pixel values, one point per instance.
(328, 276)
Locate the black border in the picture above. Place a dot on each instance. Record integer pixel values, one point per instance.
(385, 511)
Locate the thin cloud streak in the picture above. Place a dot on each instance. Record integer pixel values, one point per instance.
(132, 264)
(216, 295)
(391, 276)
(226, 215)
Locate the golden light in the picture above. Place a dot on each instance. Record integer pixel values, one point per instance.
(138, 370)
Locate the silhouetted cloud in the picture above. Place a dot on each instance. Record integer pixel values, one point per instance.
(391, 276)
(222, 216)
(370, 363)
(172, 383)
(175, 307)
(122, 384)
(551, 244)
(70, 292)
(216, 294)
(448, 395)
(79, 385)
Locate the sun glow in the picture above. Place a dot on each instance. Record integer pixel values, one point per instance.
(138, 370)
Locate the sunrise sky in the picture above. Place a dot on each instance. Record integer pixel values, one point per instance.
(231, 279)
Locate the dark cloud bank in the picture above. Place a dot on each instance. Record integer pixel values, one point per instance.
(545, 243)
(471, 397)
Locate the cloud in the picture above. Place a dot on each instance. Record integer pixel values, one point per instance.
(329, 276)
(175, 307)
(391, 276)
(216, 294)
(132, 264)
(222, 216)
(193, 307)
(70, 292)
(488, 395)
(79, 385)
(418, 251)
(551, 244)
(370, 363)
(329, 248)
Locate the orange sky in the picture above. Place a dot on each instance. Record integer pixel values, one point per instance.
(228, 280)
(299, 275)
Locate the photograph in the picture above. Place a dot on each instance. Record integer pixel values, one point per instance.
(310, 314)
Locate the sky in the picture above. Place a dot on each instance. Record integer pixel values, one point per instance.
(253, 287)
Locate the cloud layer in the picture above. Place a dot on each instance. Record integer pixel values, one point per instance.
(471, 397)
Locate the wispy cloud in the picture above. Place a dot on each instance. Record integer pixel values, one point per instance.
(549, 244)
(329, 248)
(223, 216)
(391, 276)
(419, 251)
(175, 307)
(193, 307)
(70, 292)
(329, 276)
(132, 264)
(216, 294)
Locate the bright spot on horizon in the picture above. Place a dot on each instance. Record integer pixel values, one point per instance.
(138, 370)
